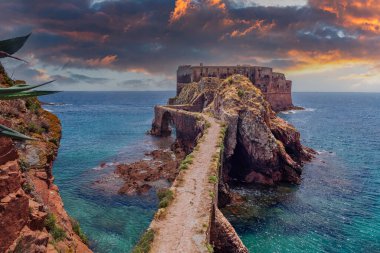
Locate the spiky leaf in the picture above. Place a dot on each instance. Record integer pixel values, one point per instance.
(5, 131)
(11, 46)
(24, 87)
(26, 94)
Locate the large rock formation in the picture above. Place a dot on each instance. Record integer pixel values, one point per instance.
(27, 192)
(259, 147)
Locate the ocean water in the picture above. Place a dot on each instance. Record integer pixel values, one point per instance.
(337, 206)
(104, 128)
(335, 209)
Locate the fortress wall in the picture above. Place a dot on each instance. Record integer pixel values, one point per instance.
(280, 101)
(273, 84)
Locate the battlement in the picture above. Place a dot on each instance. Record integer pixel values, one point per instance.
(276, 88)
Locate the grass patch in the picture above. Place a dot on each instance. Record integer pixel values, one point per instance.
(165, 196)
(145, 242)
(213, 179)
(210, 248)
(51, 225)
(241, 93)
(186, 162)
(212, 194)
(76, 227)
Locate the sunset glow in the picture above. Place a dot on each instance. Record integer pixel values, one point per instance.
(156, 36)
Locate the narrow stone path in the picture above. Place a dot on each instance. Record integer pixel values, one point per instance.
(184, 227)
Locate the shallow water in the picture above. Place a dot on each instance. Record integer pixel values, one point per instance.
(104, 127)
(335, 209)
(337, 206)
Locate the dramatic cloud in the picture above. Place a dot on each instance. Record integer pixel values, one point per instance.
(155, 36)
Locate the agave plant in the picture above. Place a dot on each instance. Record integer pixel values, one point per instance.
(7, 49)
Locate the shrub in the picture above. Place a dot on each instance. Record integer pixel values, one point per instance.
(145, 242)
(76, 227)
(32, 104)
(24, 166)
(54, 140)
(186, 162)
(213, 179)
(210, 248)
(165, 196)
(28, 188)
(51, 225)
(34, 128)
(241, 93)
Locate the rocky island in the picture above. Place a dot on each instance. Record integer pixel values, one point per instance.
(229, 131)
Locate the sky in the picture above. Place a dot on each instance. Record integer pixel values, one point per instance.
(321, 45)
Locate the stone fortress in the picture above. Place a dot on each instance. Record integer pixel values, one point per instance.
(276, 89)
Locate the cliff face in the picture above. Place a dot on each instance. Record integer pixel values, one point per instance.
(32, 217)
(260, 147)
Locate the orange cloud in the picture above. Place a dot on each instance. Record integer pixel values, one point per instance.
(355, 14)
(180, 9)
(312, 61)
(102, 62)
(217, 3)
(257, 25)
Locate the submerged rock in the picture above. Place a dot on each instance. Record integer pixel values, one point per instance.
(141, 176)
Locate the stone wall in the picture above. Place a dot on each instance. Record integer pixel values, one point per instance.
(185, 123)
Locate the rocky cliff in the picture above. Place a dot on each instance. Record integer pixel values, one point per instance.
(259, 147)
(32, 217)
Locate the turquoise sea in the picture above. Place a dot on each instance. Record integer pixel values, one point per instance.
(335, 209)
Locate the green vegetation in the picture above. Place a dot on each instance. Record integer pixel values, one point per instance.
(213, 179)
(34, 128)
(32, 104)
(145, 242)
(241, 93)
(54, 140)
(51, 225)
(24, 166)
(76, 227)
(16, 91)
(165, 196)
(20, 248)
(210, 248)
(186, 162)
(28, 188)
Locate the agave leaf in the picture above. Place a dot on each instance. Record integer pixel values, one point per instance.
(26, 94)
(14, 89)
(5, 131)
(11, 46)
(4, 54)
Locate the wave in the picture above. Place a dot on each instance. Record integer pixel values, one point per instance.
(54, 104)
(297, 111)
(103, 166)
